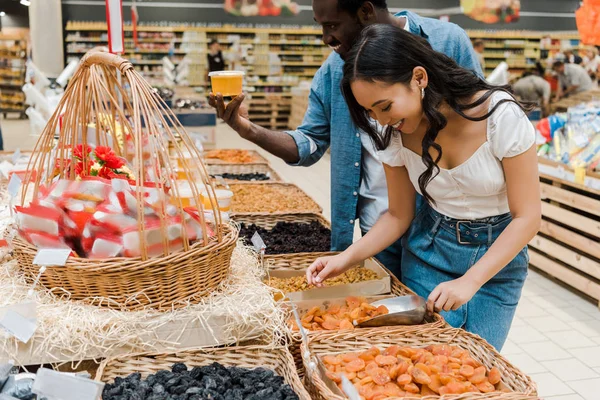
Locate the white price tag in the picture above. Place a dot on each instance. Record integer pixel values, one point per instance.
(199, 145)
(259, 244)
(18, 326)
(14, 185)
(349, 389)
(221, 181)
(60, 386)
(16, 156)
(52, 257)
(5, 168)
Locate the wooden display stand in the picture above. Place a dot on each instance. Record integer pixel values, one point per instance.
(568, 244)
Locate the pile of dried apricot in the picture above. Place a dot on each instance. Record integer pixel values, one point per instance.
(406, 371)
(340, 317)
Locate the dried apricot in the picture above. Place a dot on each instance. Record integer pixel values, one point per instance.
(334, 377)
(332, 360)
(386, 360)
(404, 379)
(355, 365)
(440, 359)
(412, 388)
(353, 302)
(379, 375)
(423, 368)
(454, 365)
(435, 383)
(494, 376)
(486, 387)
(350, 375)
(366, 379)
(406, 352)
(446, 379)
(346, 325)
(391, 351)
(478, 376)
(331, 325)
(361, 374)
(420, 376)
(466, 360)
(313, 310)
(347, 357)
(467, 371)
(426, 391)
(402, 367)
(441, 349)
(382, 310)
(444, 390)
(334, 309)
(392, 390)
(371, 365)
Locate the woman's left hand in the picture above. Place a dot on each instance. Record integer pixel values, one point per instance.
(452, 294)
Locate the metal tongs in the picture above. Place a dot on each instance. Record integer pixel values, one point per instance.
(403, 310)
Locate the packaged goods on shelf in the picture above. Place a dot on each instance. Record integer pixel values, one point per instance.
(572, 138)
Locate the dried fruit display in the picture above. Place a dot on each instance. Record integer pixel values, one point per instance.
(253, 198)
(401, 371)
(290, 237)
(299, 284)
(209, 382)
(337, 317)
(232, 156)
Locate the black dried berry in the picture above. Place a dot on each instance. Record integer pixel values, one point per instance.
(179, 368)
(291, 237)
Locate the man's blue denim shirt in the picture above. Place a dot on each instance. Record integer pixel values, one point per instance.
(327, 122)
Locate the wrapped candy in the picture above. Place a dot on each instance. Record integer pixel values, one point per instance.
(106, 246)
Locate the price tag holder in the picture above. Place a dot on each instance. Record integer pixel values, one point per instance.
(349, 389)
(16, 156)
(19, 320)
(14, 185)
(52, 257)
(259, 246)
(221, 181)
(60, 386)
(5, 168)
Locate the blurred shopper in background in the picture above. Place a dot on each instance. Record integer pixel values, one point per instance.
(534, 89)
(572, 79)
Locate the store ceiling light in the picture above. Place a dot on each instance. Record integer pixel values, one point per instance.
(26, 2)
(2, 14)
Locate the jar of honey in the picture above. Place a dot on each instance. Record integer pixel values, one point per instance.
(228, 83)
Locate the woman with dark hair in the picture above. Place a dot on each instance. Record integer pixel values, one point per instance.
(468, 148)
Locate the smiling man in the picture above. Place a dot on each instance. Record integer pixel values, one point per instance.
(358, 186)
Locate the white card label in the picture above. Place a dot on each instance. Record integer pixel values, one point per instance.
(16, 156)
(221, 181)
(18, 326)
(349, 389)
(60, 386)
(14, 185)
(259, 244)
(52, 257)
(5, 168)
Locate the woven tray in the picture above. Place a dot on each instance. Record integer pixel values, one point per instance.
(294, 193)
(279, 360)
(352, 341)
(218, 169)
(129, 283)
(258, 159)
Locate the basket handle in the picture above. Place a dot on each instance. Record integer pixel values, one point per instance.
(104, 58)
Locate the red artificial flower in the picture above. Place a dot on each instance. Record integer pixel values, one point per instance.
(107, 157)
(81, 171)
(78, 151)
(107, 173)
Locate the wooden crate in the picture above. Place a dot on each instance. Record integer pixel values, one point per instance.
(568, 244)
(564, 104)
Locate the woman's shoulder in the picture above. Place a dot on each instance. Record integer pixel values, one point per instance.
(392, 154)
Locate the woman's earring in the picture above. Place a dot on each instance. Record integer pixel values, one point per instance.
(422, 93)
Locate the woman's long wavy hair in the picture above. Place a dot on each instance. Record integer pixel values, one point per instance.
(385, 53)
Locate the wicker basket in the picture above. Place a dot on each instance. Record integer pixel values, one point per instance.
(258, 159)
(130, 283)
(312, 205)
(147, 129)
(351, 341)
(219, 169)
(279, 360)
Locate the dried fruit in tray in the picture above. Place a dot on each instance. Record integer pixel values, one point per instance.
(336, 317)
(299, 283)
(400, 371)
(232, 156)
(208, 382)
(257, 198)
(96, 215)
(291, 237)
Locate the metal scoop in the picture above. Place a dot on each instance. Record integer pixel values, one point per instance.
(403, 310)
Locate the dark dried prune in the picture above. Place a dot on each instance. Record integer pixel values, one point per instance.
(179, 368)
(290, 237)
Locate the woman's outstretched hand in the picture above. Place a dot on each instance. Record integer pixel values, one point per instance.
(325, 268)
